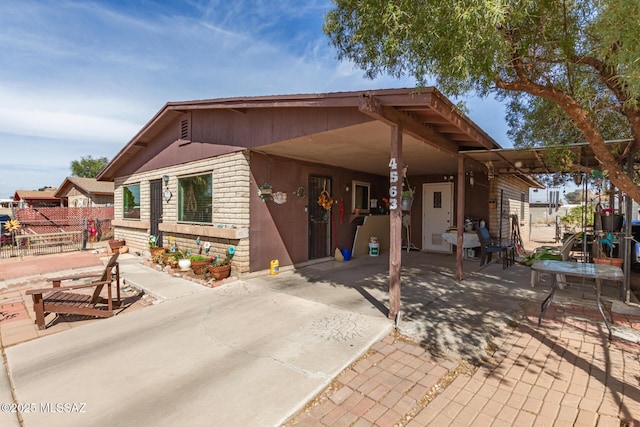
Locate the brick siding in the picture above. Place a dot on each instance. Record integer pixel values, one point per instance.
(231, 190)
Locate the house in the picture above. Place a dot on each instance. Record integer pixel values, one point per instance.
(85, 192)
(254, 172)
(37, 199)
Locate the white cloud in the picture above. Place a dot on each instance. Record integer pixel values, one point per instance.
(81, 78)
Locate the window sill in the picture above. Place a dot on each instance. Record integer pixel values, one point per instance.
(205, 231)
(128, 223)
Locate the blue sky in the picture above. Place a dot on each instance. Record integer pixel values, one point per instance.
(80, 78)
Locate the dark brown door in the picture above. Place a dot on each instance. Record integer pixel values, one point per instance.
(319, 219)
(156, 209)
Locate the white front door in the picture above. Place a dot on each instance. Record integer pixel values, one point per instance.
(437, 212)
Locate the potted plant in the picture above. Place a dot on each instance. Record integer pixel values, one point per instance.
(183, 258)
(168, 258)
(199, 263)
(407, 199)
(221, 268)
(605, 244)
(154, 248)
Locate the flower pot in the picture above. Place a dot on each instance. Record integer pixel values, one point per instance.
(603, 261)
(156, 251)
(221, 272)
(184, 264)
(199, 267)
(406, 203)
(616, 262)
(611, 222)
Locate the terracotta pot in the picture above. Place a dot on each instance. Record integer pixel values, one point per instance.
(604, 261)
(199, 267)
(221, 272)
(616, 262)
(156, 251)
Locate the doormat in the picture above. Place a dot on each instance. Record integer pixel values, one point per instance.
(13, 311)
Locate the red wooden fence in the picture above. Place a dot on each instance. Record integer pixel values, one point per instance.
(58, 219)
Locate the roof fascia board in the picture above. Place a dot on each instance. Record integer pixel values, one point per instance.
(370, 105)
(446, 109)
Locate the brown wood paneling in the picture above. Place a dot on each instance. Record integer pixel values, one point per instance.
(281, 231)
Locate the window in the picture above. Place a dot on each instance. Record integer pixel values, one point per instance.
(131, 201)
(360, 195)
(195, 198)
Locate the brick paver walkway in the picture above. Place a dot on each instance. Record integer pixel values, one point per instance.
(564, 373)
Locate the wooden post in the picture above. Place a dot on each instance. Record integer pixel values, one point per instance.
(396, 177)
(460, 184)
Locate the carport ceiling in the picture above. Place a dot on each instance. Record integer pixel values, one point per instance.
(533, 160)
(364, 148)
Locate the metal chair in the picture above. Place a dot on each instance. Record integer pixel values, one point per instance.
(488, 246)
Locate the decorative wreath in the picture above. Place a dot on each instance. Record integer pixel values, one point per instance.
(265, 192)
(325, 200)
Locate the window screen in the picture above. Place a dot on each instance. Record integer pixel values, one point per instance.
(195, 198)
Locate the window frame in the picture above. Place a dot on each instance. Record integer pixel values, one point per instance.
(354, 198)
(182, 217)
(125, 207)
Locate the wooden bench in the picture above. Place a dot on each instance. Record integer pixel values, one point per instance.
(59, 299)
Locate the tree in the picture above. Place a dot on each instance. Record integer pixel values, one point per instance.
(88, 167)
(569, 68)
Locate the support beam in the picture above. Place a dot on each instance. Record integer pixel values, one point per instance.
(460, 184)
(371, 106)
(396, 177)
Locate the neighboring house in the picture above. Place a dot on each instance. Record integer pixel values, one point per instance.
(37, 199)
(249, 172)
(85, 192)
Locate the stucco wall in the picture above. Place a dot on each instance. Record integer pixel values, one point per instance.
(230, 208)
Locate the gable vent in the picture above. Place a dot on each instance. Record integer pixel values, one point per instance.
(184, 129)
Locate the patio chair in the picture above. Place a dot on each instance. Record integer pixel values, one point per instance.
(488, 246)
(59, 299)
(565, 252)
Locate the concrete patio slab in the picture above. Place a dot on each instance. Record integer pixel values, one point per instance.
(240, 354)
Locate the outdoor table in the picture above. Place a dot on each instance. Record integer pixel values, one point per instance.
(469, 240)
(598, 272)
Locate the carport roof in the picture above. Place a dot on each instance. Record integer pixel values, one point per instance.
(435, 131)
(532, 160)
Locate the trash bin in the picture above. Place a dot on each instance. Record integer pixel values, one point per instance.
(374, 249)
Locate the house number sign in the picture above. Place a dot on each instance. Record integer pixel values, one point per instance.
(393, 181)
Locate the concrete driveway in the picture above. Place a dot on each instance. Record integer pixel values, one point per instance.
(241, 354)
(253, 352)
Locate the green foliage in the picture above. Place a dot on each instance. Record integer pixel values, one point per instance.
(570, 69)
(576, 214)
(231, 250)
(573, 197)
(88, 167)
